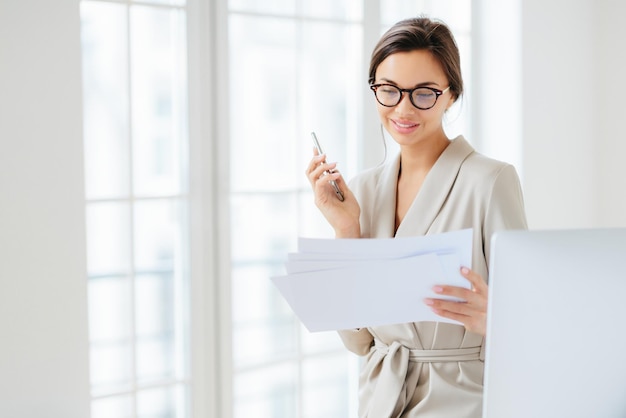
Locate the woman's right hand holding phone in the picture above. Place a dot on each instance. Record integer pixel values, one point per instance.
(342, 216)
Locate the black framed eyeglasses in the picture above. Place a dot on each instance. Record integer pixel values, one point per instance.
(422, 98)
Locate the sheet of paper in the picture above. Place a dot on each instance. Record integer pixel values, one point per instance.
(299, 265)
(344, 283)
(459, 241)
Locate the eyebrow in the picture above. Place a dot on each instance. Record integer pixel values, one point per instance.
(424, 84)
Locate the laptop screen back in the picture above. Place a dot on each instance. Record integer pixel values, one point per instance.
(556, 328)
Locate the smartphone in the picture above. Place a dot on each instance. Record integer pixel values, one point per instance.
(333, 183)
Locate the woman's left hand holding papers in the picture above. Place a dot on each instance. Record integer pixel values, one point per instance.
(472, 310)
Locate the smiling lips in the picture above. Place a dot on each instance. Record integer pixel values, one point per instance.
(404, 126)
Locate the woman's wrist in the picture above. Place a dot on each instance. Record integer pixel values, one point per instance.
(353, 231)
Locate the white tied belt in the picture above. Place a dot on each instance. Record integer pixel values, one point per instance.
(392, 379)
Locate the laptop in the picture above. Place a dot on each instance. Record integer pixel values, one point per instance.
(556, 326)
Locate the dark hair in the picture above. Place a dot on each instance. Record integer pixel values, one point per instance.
(421, 33)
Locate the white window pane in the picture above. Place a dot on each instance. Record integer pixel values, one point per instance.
(155, 359)
(264, 227)
(154, 306)
(312, 223)
(105, 97)
(263, 103)
(257, 342)
(158, 99)
(155, 327)
(326, 387)
(266, 6)
(109, 309)
(170, 2)
(118, 407)
(270, 392)
(158, 228)
(347, 9)
(110, 366)
(108, 239)
(455, 13)
(264, 327)
(257, 297)
(170, 402)
(392, 11)
(320, 342)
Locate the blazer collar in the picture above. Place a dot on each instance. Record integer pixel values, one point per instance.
(431, 197)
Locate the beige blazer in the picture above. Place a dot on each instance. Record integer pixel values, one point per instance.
(432, 369)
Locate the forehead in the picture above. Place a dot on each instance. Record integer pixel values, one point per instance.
(411, 68)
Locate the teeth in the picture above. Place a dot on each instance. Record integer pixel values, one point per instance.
(403, 125)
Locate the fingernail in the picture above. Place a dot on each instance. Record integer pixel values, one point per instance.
(464, 270)
(428, 301)
(437, 289)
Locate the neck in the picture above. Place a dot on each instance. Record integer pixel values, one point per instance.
(421, 157)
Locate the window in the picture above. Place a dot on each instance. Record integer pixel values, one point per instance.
(134, 72)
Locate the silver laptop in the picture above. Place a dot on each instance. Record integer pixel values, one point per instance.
(556, 328)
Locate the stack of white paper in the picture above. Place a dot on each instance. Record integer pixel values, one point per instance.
(334, 284)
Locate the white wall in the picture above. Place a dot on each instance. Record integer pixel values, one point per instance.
(43, 313)
(611, 112)
(573, 107)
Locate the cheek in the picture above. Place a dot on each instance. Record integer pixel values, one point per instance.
(434, 118)
(383, 111)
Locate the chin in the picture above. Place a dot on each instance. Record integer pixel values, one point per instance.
(407, 140)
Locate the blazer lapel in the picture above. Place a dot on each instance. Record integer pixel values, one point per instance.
(435, 189)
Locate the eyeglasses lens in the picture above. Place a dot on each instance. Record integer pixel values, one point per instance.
(388, 95)
(424, 98)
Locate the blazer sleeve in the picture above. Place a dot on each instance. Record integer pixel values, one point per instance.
(505, 207)
(358, 341)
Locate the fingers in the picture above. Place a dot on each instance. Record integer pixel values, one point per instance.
(477, 282)
(325, 191)
(471, 311)
(474, 320)
(318, 168)
(474, 295)
(321, 175)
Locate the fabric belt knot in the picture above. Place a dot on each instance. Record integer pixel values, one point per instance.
(390, 386)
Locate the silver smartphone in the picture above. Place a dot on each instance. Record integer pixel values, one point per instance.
(333, 183)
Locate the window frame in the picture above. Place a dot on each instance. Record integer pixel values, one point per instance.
(211, 374)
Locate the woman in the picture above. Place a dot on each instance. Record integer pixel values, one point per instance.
(434, 185)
